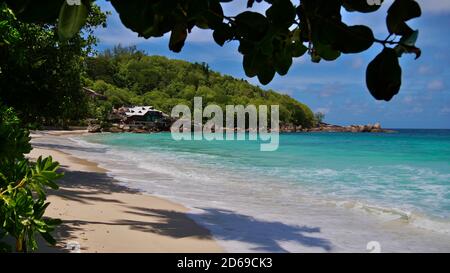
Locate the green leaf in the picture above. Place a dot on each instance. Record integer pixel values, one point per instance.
(411, 39)
(298, 49)
(213, 14)
(354, 39)
(150, 18)
(178, 37)
(33, 11)
(251, 25)
(252, 63)
(283, 61)
(407, 44)
(315, 58)
(71, 19)
(329, 9)
(281, 13)
(246, 47)
(222, 34)
(40, 209)
(384, 75)
(266, 45)
(327, 52)
(400, 12)
(48, 238)
(266, 74)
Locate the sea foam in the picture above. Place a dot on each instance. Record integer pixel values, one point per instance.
(273, 212)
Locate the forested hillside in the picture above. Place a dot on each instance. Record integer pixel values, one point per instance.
(128, 76)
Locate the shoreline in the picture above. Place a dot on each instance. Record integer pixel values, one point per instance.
(316, 227)
(102, 216)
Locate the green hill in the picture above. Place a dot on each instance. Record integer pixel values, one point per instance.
(127, 76)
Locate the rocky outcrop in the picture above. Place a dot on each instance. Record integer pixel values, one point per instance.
(290, 128)
(139, 129)
(369, 128)
(284, 128)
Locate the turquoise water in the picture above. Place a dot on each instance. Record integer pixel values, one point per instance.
(408, 170)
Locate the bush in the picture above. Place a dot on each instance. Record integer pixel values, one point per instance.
(23, 186)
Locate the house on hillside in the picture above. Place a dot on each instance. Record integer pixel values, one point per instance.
(144, 114)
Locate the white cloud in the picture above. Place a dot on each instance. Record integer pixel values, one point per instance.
(301, 60)
(357, 63)
(120, 35)
(116, 33)
(425, 70)
(356, 108)
(435, 6)
(323, 110)
(331, 89)
(445, 110)
(200, 36)
(408, 100)
(435, 85)
(415, 110)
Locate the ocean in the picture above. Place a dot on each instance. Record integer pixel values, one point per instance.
(318, 192)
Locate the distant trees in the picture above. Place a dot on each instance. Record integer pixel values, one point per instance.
(127, 76)
(319, 117)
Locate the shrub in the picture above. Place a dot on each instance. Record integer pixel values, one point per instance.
(23, 186)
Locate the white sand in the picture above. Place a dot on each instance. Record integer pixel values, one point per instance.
(102, 216)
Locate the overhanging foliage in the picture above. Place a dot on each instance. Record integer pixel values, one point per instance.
(268, 42)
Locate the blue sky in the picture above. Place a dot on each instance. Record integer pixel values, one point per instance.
(335, 88)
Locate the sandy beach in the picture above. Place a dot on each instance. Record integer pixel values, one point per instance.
(127, 199)
(101, 216)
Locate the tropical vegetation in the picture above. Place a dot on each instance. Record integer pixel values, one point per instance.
(127, 76)
(40, 76)
(268, 42)
(23, 186)
(47, 55)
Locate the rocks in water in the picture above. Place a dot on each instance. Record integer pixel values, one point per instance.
(369, 128)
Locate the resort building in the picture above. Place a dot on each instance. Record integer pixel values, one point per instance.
(144, 114)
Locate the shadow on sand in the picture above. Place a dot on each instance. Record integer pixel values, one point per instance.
(263, 236)
(226, 225)
(60, 147)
